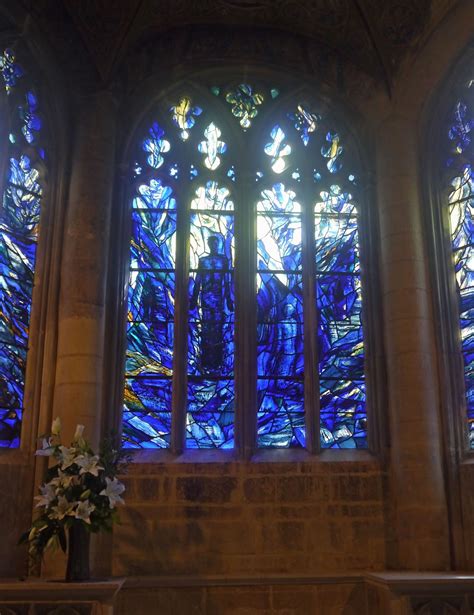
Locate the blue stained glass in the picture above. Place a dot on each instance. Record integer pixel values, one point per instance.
(337, 246)
(278, 200)
(212, 196)
(151, 295)
(305, 122)
(21, 211)
(19, 227)
(211, 320)
(333, 152)
(212, 147)
(280, 419)
(17, 256)
(10, 427)
(244, 101)
(211, 345)
(460, 131)
(279, 243)
(341, 357)
(156, 145)
(280, 319)
(150, 348)
(12, 369)
(154, 196)
(276, 294)
(210, 418)
(174, 171)
(460, 204)
(153, 243)
(184, 116)
(278, 150)
(30, 118)
(147, 413)
(214, 227)
(15, 303)
(23, 175)
(343, 414)
(335, 201)
(11, 71)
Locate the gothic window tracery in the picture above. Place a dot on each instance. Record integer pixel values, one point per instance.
(245, 209)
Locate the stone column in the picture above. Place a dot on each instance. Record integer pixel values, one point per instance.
(81, 320)
(419, 524)
(79, 374)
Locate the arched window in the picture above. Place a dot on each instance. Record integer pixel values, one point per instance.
(22, 157)
(458, 212)
(244, 319)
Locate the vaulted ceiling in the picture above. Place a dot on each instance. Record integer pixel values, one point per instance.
(374, 35)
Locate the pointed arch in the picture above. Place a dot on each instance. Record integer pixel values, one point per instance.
(245, 317)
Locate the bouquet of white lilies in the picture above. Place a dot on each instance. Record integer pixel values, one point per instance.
(81, 487)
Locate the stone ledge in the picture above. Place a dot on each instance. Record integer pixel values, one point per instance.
(415, 583)
(140, 582)
(39, 591)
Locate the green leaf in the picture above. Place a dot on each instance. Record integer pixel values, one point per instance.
(62, 539)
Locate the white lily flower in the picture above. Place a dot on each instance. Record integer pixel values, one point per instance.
(63, 480)
(48, 493)
(56, 426)
(84, 510)
(68, 457)
(88, 464)
(63, 509)
(46, 450)
(112, 491)
(78, 433)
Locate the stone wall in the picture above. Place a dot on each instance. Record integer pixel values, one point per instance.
(239, 518)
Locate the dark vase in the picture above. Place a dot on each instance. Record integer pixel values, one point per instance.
(78, 553)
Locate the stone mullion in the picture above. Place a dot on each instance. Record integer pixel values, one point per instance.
(310, 326)
(180, 350)
(246, 317)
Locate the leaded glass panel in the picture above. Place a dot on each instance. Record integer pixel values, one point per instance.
(204, 185)
(459, 205)
(19, 228)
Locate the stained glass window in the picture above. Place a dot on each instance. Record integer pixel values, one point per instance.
(460, 209)
(235, 190)
(19, 226)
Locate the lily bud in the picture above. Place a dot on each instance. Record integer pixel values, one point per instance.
(56, 426)
(79, 432)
